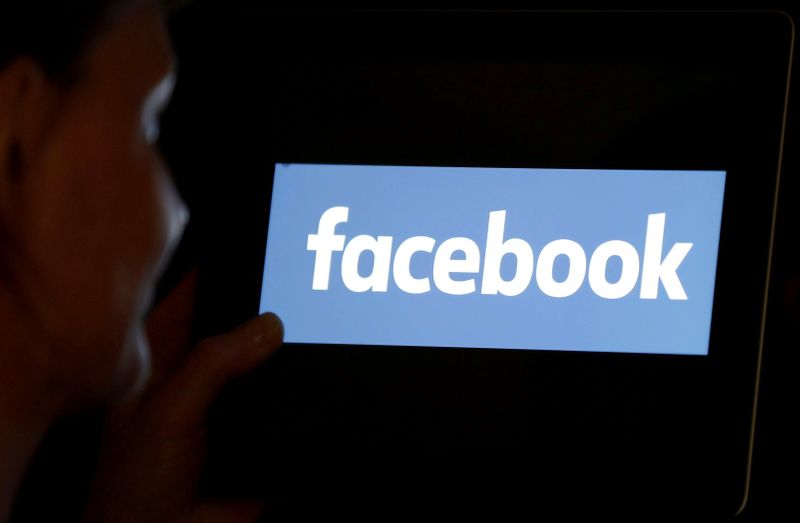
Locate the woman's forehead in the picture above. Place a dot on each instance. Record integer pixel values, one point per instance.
(134, 47)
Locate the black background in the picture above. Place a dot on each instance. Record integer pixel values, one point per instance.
(199, 142)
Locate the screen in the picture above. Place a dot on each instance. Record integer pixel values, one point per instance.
(592, 260)
(532, 328)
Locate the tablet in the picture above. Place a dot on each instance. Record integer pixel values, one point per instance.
(520, 257)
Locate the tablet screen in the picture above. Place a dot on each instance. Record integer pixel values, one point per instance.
(501, 258)
(545, 251)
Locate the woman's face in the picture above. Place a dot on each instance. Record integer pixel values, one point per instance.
(98, 213)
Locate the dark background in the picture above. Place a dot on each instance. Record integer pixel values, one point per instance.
(197, 145)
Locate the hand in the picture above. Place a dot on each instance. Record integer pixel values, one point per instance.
(154, 445)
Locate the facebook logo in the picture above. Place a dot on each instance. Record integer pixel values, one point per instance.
(325, 242)
(548, 259)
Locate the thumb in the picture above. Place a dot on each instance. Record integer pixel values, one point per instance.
(208, 367)
(227, 511)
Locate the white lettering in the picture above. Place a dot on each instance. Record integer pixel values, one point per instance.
(654, 268)
(496, 249)
(378, 279)
(324, 243)
(444, 265)
(401, 269)
(577, 268)
(599, 262)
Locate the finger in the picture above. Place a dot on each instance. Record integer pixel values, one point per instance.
(169, 326)
(194, 385)
(228, 511)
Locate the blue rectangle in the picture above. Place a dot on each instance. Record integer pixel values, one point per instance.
(616, 218)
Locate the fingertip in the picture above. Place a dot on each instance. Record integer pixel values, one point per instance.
(273, 327)
(267, 337)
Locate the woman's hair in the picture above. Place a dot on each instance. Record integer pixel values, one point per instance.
(54, 33)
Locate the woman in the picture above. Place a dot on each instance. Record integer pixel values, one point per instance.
(88, 218)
